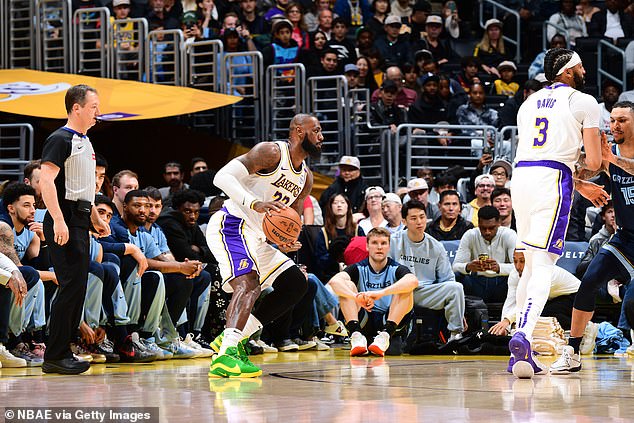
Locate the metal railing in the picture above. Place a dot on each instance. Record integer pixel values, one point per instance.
(128, 46)
(16, 148)
(285, 97)
(164, 57)
(326, 99)
(243, 76)
(89, 47)
(52, 35)
(419, 146)
(203, 60)
(18, 50)
(499, 7)
(509, 134)
(602, 72)
(558, 30)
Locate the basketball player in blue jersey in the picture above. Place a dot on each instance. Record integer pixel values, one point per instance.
(271, 176)
(614, 260)
(553, 124)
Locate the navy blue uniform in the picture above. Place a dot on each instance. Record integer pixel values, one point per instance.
(614, 260)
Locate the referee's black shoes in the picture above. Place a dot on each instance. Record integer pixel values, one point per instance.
(65, 366)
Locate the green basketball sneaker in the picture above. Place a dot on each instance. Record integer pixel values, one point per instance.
(217, 343)
(243, 352)
(231, 364)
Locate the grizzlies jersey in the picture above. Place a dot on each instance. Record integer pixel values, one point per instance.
(283, 184)
(550, 124)
(21, 241)
(622, 195)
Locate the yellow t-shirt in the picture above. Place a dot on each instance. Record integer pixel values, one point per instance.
(502, 88)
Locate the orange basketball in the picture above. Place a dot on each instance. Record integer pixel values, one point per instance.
(282, 227)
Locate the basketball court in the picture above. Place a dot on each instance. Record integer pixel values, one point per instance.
(329, 386)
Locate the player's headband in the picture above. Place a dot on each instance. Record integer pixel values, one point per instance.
(574, 61)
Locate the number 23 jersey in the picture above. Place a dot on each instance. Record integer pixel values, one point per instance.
(550, 124)
(283, 184)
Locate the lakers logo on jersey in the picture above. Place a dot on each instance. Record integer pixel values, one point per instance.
(559, 244)
(244, 263)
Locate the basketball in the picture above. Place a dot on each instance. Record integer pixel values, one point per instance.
(282, 227)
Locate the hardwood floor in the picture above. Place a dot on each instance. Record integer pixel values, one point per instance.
(331, 387)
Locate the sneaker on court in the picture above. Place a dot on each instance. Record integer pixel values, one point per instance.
(230, 364)
(152, 348)
(304, 345)
(265, 347)
(320, 345)
(589, 338)
(180, 350)
(567, 362)
(380, 344)
(286, 346)
(358, 344)
(200, 340)
(338, 329)
(457, 336)
(132, 351)
(23, 351)
(38, 349)
(396, 346)
(525, 363)
(217, 342)
(254, 348)
(106, 348)
(8, 360)
(189, 341)
(509, 368)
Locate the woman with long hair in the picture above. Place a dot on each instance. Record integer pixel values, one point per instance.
(339, 228)
(366, 74)
(295, 13)
(490, 50)
(380, 9)
(311, 57)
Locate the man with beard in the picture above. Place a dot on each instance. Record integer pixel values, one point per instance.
(174, 177)
(614, 260)
(553, 124)
(270, 177)
(176, 276)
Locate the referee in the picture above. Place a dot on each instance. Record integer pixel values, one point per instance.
(67, 179)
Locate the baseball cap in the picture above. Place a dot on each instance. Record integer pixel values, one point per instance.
(417, 184)
(279, 23)
(350, 67)
(503, 164)
(189, 17)
(434, 19)
(390, 197)
(423, 54)
(490, 22)
(541, 77)
(392, 19)
(428, 77)
(389, 86)
(507, 64)
(116, 3)
(374, 190)
(356, 250)
(484, 178)
(350, 161)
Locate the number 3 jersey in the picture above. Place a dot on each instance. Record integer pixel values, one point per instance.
(283, 184)
(550, 124)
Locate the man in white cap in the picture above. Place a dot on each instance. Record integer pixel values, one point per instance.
(418, 189)
(501, 171)
(394, 48)
(349, 182)
(484, 185)
(391, 207)
(431, 40)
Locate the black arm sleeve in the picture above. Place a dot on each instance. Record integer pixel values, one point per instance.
(353, 272)
(401, 271)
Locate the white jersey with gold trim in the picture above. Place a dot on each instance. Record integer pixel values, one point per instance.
(283, 184)
(550, 124)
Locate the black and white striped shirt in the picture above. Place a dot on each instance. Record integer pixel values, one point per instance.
(72, 152)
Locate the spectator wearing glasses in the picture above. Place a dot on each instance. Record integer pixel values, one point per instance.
(501, 171)
(373, 210)
(484, 185)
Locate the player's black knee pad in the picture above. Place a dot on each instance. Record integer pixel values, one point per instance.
(292, 282)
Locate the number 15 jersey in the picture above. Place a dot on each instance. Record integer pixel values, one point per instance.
(550, 124)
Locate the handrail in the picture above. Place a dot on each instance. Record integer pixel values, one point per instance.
(601, 72)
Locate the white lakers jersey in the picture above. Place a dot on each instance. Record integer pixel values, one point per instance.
(283, 184)
(550, 124)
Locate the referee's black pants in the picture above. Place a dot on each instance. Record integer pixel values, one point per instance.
(70, 263)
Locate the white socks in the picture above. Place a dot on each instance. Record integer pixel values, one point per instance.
(230, 338)
(252, 326)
